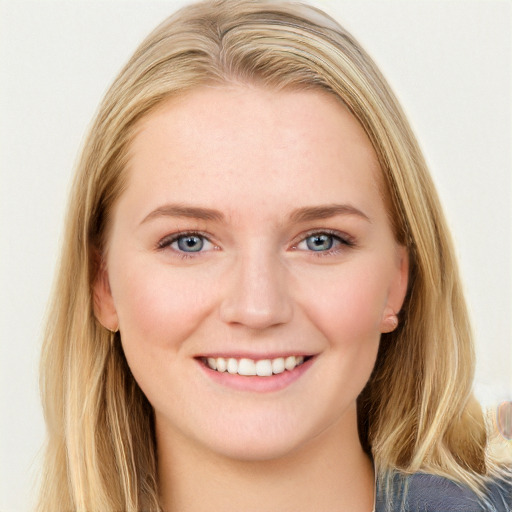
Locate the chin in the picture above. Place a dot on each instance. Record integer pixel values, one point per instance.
(266, 438)
(264, 448)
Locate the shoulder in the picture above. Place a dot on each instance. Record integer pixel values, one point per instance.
(423, 492)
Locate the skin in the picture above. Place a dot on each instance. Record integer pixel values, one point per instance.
(256, 288)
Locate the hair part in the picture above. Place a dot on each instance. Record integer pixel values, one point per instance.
(416, 413)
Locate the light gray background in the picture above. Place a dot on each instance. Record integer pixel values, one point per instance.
(448, 61)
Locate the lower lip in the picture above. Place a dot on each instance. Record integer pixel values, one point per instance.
(254, 383)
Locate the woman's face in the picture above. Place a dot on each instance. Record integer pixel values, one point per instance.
(252, 235)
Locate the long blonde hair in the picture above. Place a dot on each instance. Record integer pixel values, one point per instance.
(416, 413)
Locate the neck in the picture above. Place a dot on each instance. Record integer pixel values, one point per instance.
(330, 473)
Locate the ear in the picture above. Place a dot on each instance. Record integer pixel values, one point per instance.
(397, 292)
(104, 307)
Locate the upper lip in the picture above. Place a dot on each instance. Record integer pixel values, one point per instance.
(255, 356)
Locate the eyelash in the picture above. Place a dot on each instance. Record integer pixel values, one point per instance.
(344, 240)
(168, 240)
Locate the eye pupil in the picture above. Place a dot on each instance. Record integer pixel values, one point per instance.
(190, 243)
(320, 242)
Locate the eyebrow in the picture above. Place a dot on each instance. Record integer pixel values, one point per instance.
(191, 212)
(310, 213)
(304, 214)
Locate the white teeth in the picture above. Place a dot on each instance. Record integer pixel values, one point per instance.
(232, 365)
(264, 368)
(278, 365)
(221, 364)
(246, 367)
(249, 367)
(290, 362)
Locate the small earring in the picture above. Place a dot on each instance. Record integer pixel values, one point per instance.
(390, 322)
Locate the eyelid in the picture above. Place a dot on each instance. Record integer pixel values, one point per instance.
(168, 240)
(342, 244)
(344, 238)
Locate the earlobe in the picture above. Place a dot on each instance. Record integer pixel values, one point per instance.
(389, 321)
(104, 307)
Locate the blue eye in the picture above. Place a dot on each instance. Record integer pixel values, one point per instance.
(186, 243)
(325, 242)
(189, 243)
(320, 242)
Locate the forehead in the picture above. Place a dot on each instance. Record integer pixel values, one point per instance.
(241, 144)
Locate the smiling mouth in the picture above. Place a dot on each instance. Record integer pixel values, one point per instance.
(254, 367)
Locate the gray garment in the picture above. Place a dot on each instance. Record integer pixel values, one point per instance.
(431, 493)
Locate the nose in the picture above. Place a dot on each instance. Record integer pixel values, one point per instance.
(257, 295)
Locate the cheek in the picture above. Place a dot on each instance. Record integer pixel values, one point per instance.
(348, 305)
(159, 307)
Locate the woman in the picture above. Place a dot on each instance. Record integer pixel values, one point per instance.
(258, 305)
